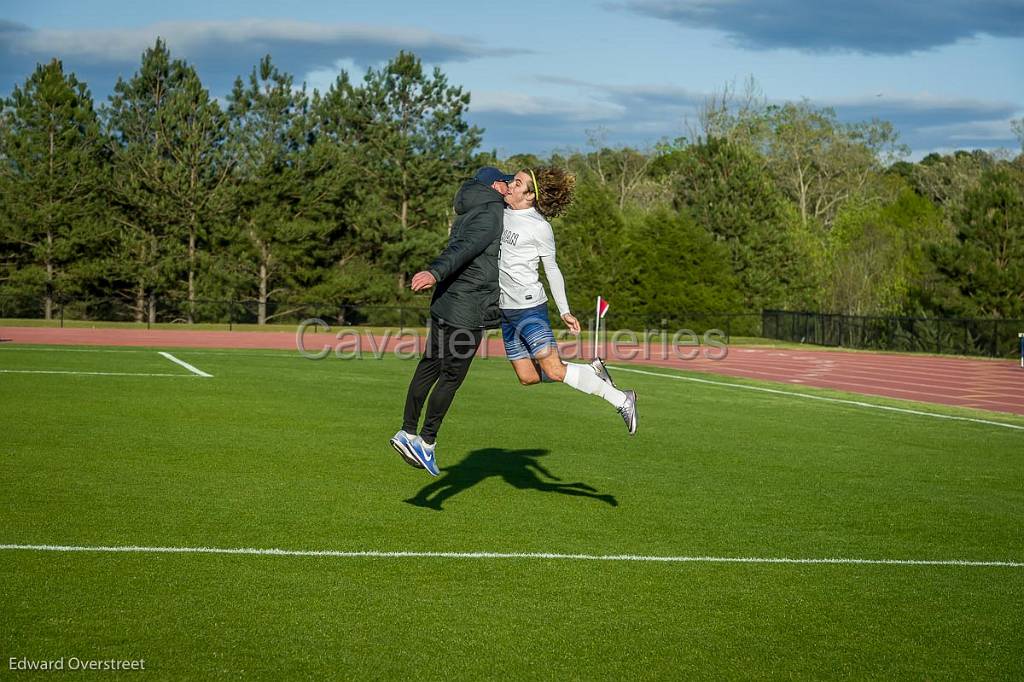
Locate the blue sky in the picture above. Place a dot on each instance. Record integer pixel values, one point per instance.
(545, 76)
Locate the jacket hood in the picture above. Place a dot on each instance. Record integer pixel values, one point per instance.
(474, 194)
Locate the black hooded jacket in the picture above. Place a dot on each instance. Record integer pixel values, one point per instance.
(466, 293)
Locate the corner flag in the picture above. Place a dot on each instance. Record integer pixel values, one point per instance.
(600, 311)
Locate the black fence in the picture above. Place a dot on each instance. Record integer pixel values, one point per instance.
(730, 324)
(995, 338)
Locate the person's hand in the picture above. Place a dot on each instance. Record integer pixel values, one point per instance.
(572, 323)
(422, 281)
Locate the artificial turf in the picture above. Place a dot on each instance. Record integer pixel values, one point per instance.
(277, 451)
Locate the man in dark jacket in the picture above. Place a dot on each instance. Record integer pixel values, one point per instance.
(465, 304)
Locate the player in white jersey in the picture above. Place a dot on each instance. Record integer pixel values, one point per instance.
(527, 241)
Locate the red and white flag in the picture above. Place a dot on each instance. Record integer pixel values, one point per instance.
(602, 307)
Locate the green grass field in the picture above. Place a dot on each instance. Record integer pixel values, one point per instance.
(276, 451)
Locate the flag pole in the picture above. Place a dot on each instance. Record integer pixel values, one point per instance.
(597, 325)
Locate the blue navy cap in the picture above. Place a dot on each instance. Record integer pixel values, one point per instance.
(490, 174)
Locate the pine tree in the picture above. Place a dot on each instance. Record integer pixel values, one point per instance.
(413, 148)
(278, 210)
(675, 270)
(195, 174)
(51, 180)
(729, 193)
(984, 268)
(348, 274)
(590, 238)
(140, 119)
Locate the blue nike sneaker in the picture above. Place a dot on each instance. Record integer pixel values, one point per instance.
(402, 443)
(425, 455)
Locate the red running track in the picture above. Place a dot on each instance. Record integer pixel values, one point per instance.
(996, 385)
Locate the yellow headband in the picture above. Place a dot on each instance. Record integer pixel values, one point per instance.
(536, 188)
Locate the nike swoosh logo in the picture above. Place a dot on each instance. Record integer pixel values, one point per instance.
(428, 455)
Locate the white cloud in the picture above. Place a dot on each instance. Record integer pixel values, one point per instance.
(994, 131)
(523, 105)
(639, 115)
(194, 38)
(221, 50)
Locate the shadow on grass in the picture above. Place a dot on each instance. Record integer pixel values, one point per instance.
(519, 468)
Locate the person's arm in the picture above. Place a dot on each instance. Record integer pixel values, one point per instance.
(476, 235)
(546, 249)
(540, 468)
(556, 282)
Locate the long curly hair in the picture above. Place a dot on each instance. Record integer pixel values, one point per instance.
(556, 189)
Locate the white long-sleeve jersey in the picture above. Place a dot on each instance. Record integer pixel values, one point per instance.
(526, 241)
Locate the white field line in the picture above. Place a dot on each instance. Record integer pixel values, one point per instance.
(808, 396)
(187, 366)
(270, 353)
(102, 374)
(374, 554)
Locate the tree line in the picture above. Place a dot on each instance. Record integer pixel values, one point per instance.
(281, 197)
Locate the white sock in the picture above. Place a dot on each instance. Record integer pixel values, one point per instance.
(583, 378)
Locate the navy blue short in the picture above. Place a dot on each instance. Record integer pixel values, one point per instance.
(526, 332)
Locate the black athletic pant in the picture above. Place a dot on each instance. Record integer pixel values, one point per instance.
(445, 363)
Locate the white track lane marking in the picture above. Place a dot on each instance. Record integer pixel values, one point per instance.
(101, 374)
(808, 396)
(374, 554)
(187, 366)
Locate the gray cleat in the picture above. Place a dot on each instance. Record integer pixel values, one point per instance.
(628, 412)
(601, 370)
